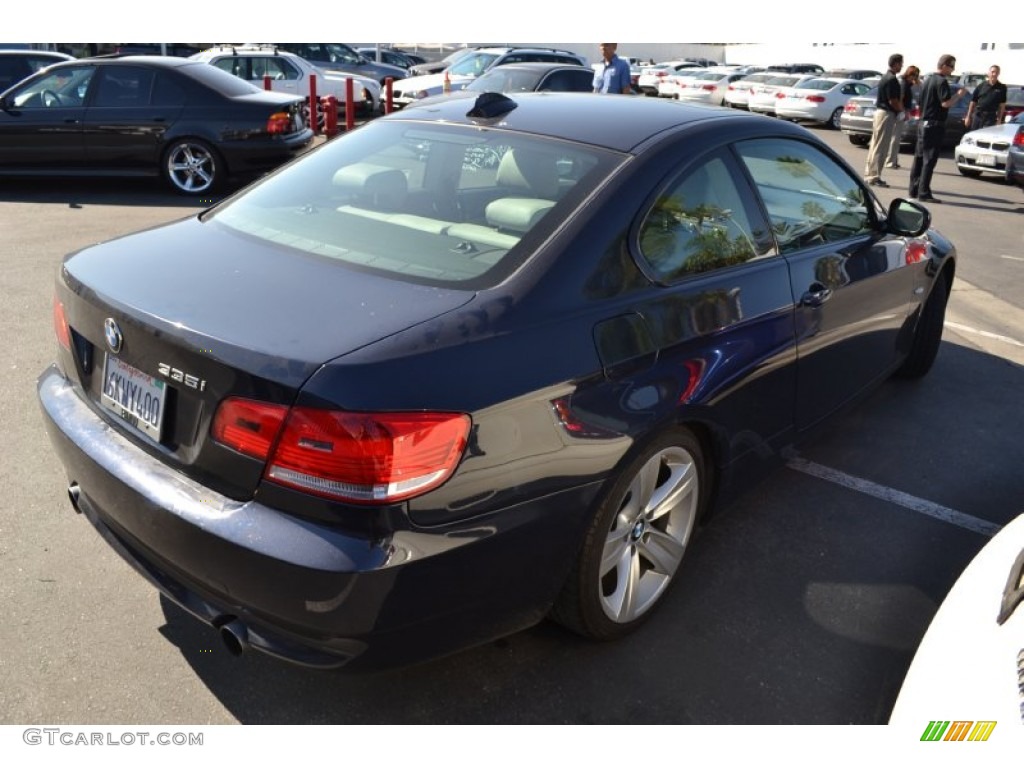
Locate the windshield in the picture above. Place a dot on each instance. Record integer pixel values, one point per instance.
(438, 204)
(473, 65)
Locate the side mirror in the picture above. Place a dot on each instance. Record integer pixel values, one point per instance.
(908, 218)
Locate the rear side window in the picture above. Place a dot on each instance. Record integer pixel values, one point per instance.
(123, 87)
(810, 199)
(702, 221)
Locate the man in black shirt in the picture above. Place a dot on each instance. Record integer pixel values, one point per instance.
(888, 105)
(936, 99)
(988, 104)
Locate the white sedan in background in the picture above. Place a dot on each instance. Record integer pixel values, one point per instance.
(710, 87)
(985, 149)
(737, 94)
(820, 100)
(763, 96)
(290, 73)
(671, 85)
(651, 77)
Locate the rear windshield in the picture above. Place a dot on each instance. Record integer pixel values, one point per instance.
(218, 79)
(438, 204)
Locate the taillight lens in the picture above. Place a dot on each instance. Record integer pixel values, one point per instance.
(816, 99)
(850, 108)
(915, 113)
(1018, 140)
(367, 457)
(248, 426)
(60, 325)
(279, 122)
(710, 87)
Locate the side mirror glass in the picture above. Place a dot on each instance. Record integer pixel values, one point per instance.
(908, 218)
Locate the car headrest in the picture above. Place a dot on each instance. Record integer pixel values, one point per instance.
(373, 186)
(516, 214)
(534, 172)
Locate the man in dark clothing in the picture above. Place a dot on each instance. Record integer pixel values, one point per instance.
(936, 99)
(988, 104)
(888, 105)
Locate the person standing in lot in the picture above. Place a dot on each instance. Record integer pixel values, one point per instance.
(936, 99)
(911, 77)
(614, 76)
(888, 106)
(988, 104)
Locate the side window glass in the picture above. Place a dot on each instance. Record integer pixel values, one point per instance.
(65, 87)
(123, 87)
(701, 222)
(166, 92)
(810, 199)
(279, 69)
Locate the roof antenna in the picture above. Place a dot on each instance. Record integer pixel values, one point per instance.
(491, 105)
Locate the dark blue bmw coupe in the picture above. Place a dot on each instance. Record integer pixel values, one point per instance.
(474, 364)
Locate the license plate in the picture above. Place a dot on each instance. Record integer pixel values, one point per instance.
(869, 112)
(988, 160)
(133, 396)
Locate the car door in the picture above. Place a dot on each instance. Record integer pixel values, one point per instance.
(130, 110)
(721, 317)
(41, 124)
(850, 280)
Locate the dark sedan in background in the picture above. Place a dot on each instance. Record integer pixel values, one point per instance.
(522, 78)
(474, 364)
(146, 115)
(859, 114)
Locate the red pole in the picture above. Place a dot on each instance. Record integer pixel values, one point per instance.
(350, 105)
(314, 105)
(266, 83)
(388, 90)
(330, 107)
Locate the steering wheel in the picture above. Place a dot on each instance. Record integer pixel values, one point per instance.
(49, 98)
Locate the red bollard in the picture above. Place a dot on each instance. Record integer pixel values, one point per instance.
(266, 83)
(388, 90)
(314, 105)
(350, 105)
(329, 104)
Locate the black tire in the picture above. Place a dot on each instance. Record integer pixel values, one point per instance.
(860, 141)
(928, 333)
(837, 114)
(631, 551)
(192, 167)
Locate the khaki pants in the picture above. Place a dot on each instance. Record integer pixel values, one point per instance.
(881, 140)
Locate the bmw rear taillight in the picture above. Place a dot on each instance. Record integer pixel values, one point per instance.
(710, 87)
(60, 325)
(248, 426)
(367, 458)
(363, 458)
(1018, 140)
(279, 122)
(780, 95)
(816, 99)
(850, 108)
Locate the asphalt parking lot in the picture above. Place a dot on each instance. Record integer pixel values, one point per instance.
(803, 603)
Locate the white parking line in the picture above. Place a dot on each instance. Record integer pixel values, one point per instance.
(939, 512)
(986, 334)
(1011, 258)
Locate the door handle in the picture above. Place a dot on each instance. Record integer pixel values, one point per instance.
(816, 296)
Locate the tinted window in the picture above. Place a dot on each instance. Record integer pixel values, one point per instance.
(123, 87)
(702, 221)
(809, 197)
(217, 79)
(167, 92)
(64, 87)
(568, 80)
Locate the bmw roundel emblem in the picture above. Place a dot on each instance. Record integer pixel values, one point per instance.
(113, 335)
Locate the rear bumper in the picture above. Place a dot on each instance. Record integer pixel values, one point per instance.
(253, 156)
(306, 591)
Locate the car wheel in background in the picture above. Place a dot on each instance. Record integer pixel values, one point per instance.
(834, 120)
(192, 166)
(860, 141)
(637, 539)
(928, 333)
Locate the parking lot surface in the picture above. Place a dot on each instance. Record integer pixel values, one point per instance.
(802, 603)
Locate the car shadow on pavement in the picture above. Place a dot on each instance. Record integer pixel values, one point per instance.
(802, 603)
(79, 193)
